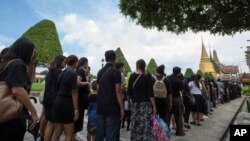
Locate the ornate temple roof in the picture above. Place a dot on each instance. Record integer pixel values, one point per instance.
(204, 54)
(215, 57)
(245, 78)
(206, 64)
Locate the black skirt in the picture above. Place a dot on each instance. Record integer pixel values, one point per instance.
(63, 110)
(48, 112)
(199, 103)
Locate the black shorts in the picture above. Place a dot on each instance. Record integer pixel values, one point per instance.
(63, 110)
(48, 112)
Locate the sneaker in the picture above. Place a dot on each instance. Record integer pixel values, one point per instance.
(206, 117)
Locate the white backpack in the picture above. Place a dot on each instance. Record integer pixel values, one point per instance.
(160, 90)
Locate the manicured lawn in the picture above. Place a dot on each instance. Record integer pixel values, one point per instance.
(37, 86)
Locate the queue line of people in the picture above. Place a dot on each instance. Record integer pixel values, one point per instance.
(69, 91)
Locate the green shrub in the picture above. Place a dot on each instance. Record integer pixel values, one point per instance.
(37, 86)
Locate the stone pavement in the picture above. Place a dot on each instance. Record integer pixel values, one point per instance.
(211, 130)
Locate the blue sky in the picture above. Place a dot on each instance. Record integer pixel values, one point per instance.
(90, 27)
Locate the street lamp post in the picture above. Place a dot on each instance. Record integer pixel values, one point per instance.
(102, 62)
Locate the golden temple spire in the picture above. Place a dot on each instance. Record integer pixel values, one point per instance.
(203, 51)
(206, 64)
(216, 59)
(210, 54)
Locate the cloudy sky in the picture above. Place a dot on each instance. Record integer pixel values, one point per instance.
(90, 27)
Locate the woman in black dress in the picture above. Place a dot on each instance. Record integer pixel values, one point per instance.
(22, 54)
(50, 92)
(65, 107)
(83, 92)
(140, 90)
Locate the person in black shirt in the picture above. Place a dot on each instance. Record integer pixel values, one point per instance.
(83, 92)
(50, 93)
(16, 77)
(140, 90)
(163, 105)
(65, 107)
(120, 67)
(110, 109)
(188, 107)
(177, 110)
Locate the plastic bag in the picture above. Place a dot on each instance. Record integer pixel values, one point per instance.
(158, 131)
(164, 126)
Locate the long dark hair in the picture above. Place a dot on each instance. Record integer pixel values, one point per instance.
(82, 62)
(57, 62)
(196, 80)
(21, 49)
(141, 64)
(71, 60)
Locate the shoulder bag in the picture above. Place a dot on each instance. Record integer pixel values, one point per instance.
(11, 107)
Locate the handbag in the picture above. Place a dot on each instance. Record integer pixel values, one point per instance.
(11, 107)
(190, 101)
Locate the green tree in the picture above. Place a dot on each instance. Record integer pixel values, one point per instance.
(189, 72)
(206, 74)
(210, 75)
(179, 16)
(45, 37)
(199, 72)
(45, 72)
(152, 66)
(120, 57)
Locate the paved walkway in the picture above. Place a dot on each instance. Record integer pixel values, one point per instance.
(211, 130)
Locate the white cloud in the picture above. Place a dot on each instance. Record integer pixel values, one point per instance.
(136, 42)
(2, 46)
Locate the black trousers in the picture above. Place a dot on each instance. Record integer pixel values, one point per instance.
(15, 136)
(127, 117)
(186, 115)
(178, 112)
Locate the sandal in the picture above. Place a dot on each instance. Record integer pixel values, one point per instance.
(198, 124)
(193, 122)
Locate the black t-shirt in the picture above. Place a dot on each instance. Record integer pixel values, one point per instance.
(143, 88)
(83, 91)
(92, 98)
(107, 101)
(67, 82)
(176, 85)
(51, 86)
(15, 75)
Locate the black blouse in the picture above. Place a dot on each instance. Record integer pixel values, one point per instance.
(142, 90)
(67, 82)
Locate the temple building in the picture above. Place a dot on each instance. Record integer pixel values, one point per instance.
(206, 64)
(212, 64)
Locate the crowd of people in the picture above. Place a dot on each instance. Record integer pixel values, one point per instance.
(110, 102)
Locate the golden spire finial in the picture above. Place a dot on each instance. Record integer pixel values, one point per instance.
(203, 50)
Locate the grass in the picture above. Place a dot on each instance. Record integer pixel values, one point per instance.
(37, 86)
